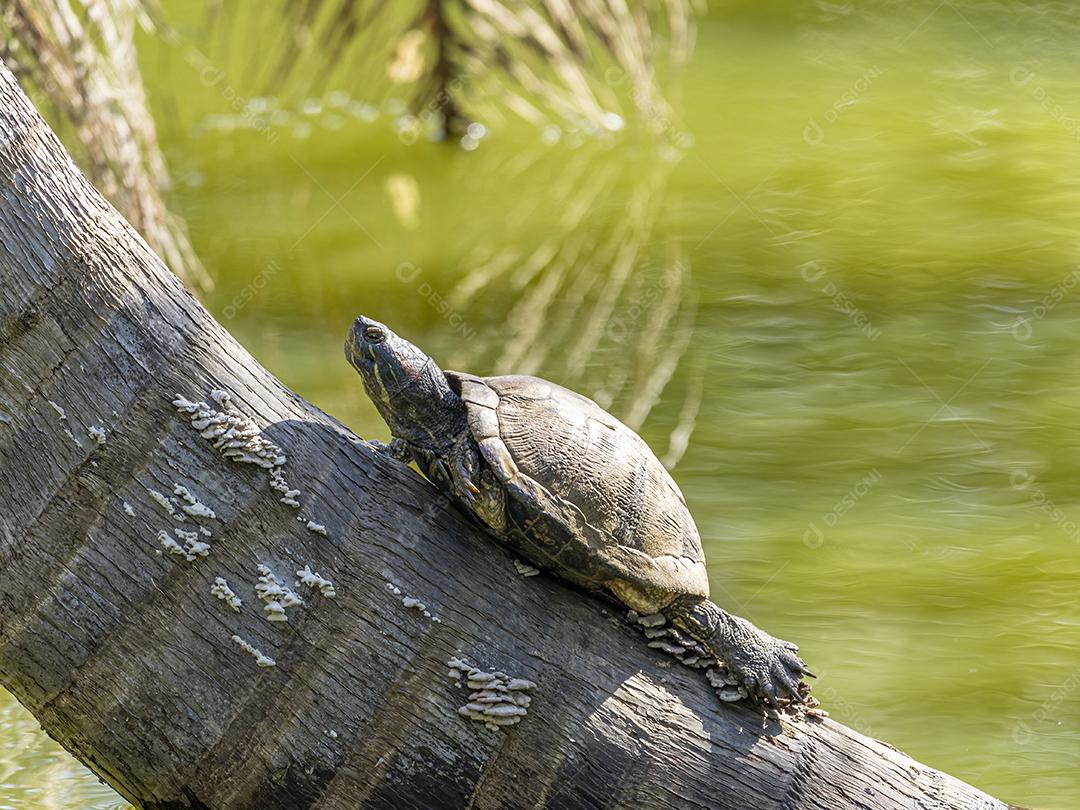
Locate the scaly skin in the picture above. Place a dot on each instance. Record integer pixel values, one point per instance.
(768, 668)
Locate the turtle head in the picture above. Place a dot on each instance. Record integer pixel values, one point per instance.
(408, 388)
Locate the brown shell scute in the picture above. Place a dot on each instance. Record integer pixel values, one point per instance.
(622, 518)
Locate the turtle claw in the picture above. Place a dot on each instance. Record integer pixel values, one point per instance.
(396, 449)
(768, 691)
(796, 664)
(769, 671)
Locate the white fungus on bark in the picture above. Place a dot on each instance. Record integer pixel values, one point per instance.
(193, 546)
(97, 433)
(277, 597)
(497, 699)
(129, 510)
(233, 433)
(222, 591)
(413, 603)
(238, 438)
(165, 504)
(168, 542)
(316, 528)
(525, 570)
(191, 549)
(192, 505)
(260, 659)
(313, 579)
(289, 496)
(64, 421)
(652, 620)
(196, 549)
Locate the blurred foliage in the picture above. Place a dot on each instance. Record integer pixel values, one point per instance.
(865, 256)
(446, 56)
(580, 61)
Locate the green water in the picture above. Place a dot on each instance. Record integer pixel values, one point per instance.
(856, 291)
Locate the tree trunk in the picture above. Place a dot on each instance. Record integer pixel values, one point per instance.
(118, 647)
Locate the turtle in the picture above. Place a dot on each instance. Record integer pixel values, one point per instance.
(571, 489)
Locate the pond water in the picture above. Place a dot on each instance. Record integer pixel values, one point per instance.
(844, 306)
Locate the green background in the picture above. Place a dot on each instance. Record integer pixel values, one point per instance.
(861, 274)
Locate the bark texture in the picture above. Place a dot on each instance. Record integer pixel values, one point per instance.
(127, 659)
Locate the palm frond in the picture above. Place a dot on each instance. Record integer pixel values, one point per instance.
(590, 64)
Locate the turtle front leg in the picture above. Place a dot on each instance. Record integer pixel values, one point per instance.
(474, 484)
(396, 449)
(768, 668)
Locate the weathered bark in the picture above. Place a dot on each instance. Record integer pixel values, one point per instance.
(126, 658)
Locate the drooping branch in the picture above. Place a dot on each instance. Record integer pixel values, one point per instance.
(121, 647)
(587, 64)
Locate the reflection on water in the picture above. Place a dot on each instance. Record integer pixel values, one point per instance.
(847, 309)
(587, 299)
(35, 772)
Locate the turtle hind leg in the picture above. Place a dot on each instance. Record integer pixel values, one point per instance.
(767, 668)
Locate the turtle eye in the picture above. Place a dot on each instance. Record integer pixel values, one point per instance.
(374, 334)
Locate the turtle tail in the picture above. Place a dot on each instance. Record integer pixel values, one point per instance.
(767, 668)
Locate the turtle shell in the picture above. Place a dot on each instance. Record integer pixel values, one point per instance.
(587, 498)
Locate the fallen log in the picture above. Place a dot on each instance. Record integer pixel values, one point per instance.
(125, 498)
